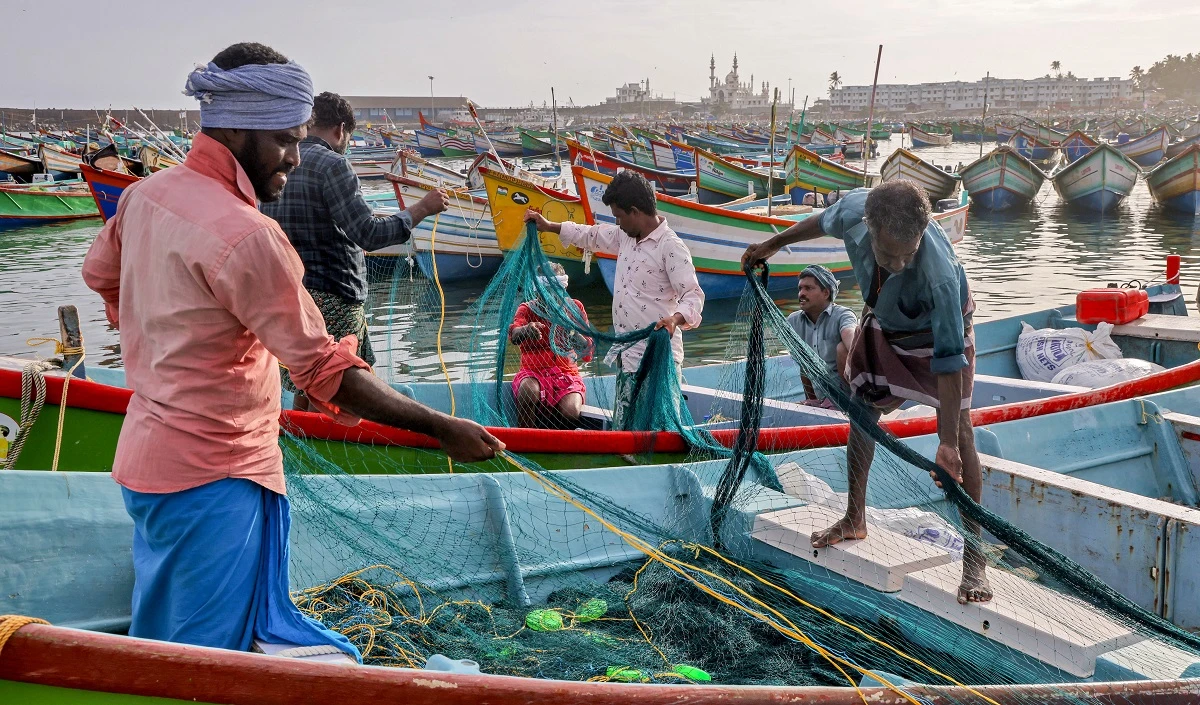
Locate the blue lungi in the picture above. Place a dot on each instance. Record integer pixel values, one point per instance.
(211, 569)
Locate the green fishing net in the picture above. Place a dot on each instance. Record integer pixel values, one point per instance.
(680, 568)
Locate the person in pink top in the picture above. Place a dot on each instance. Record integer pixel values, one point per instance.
(549, 389)
(655, 280)
(208, 297)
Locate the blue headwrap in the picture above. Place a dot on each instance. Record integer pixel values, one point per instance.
(824, 277)
(252, 97)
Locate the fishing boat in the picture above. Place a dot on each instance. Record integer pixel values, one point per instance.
(1175, 184)
(154, 158)
(427, 144)
(903, 164)
(510, 196)
(454, 146)
(1076, 145)
(56, 160)
(721, 180)
(1069, 480)
(503, 146)
(1002, 179)
(1033, 147)
(38, 205)
(675, 183)
(538, 143)
(1148, 150)
(19, 165)
(1098, 181)
(807, 171)
(456, 245)
(717, 237)
(1173, 150)
(923, 138)
(106, 188)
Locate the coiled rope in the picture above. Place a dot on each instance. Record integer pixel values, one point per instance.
(11, 623)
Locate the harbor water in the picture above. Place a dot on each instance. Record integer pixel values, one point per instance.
(1022, 260)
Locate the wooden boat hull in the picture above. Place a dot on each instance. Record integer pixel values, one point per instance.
(1032, 147)
(721, 180)
(808, 171)
(717, 238)
(1148, 150)
(1175, 184)
(1099, 181)
(1076, 145)
(54, 159)
(673, 183)
(53, 666)
(25, 207)
(1002, 179)
(1177, 148)
(509, 197)
(456, 147)
(923, 138)
(19, 164)
(903, 164)
(464, 243)
(428, 144)
(106, 187)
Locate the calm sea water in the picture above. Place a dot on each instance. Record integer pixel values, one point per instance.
(1018, 261)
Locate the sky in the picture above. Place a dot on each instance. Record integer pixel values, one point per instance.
(510, 53)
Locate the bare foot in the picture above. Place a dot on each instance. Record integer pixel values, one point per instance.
(974, 586)
(843, 530)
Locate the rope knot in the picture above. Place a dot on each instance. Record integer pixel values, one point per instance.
(11, 623)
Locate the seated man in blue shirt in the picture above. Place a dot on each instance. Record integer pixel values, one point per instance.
(914, 341)
(827, 327)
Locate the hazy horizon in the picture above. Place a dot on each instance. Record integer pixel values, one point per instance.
(510, 55)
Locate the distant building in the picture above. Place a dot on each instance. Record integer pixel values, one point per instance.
(733, 94)
(1014, 93)
(379, 109)
(630, 93)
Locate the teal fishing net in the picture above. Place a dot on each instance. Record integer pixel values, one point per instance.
(691, 567)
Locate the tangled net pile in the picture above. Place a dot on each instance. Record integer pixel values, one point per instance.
(649, 573)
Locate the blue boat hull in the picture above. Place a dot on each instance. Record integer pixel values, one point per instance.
(1149, 158)
(1099, 201)
(998, 199)
(1184, 203)
(456, 267)
(107, 196)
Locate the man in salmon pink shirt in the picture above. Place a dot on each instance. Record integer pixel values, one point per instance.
(208, 297)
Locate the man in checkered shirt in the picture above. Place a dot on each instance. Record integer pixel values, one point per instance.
(323, 213)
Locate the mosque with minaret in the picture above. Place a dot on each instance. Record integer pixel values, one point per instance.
(733, 94)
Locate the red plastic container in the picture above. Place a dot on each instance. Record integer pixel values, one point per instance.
(1111, 305)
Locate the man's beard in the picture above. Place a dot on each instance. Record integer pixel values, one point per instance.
(260, 177)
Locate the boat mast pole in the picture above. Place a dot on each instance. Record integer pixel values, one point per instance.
(491, 147)
(871, 115)
(771, 157)
(554, 115)
(983, 121)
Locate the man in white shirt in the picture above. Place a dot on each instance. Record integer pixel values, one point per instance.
(655, 278)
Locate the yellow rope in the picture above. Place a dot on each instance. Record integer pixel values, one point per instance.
(787, 628)
(10, 623)
(60, 349)
(441, 319)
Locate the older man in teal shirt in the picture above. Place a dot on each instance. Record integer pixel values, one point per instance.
(914, 341)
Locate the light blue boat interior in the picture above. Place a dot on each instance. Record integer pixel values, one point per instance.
(1115, 487)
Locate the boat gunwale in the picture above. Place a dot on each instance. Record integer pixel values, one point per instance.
(72, 658)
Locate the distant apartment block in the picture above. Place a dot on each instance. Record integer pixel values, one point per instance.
(1013, 93)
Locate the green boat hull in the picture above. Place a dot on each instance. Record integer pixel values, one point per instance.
(33, 207)
(37, 694)
(90, 443)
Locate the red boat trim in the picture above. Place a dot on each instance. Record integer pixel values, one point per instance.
(90, 661)
(100, 397)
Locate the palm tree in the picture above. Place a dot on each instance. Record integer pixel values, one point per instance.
(1055, 66)
(835, 81)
